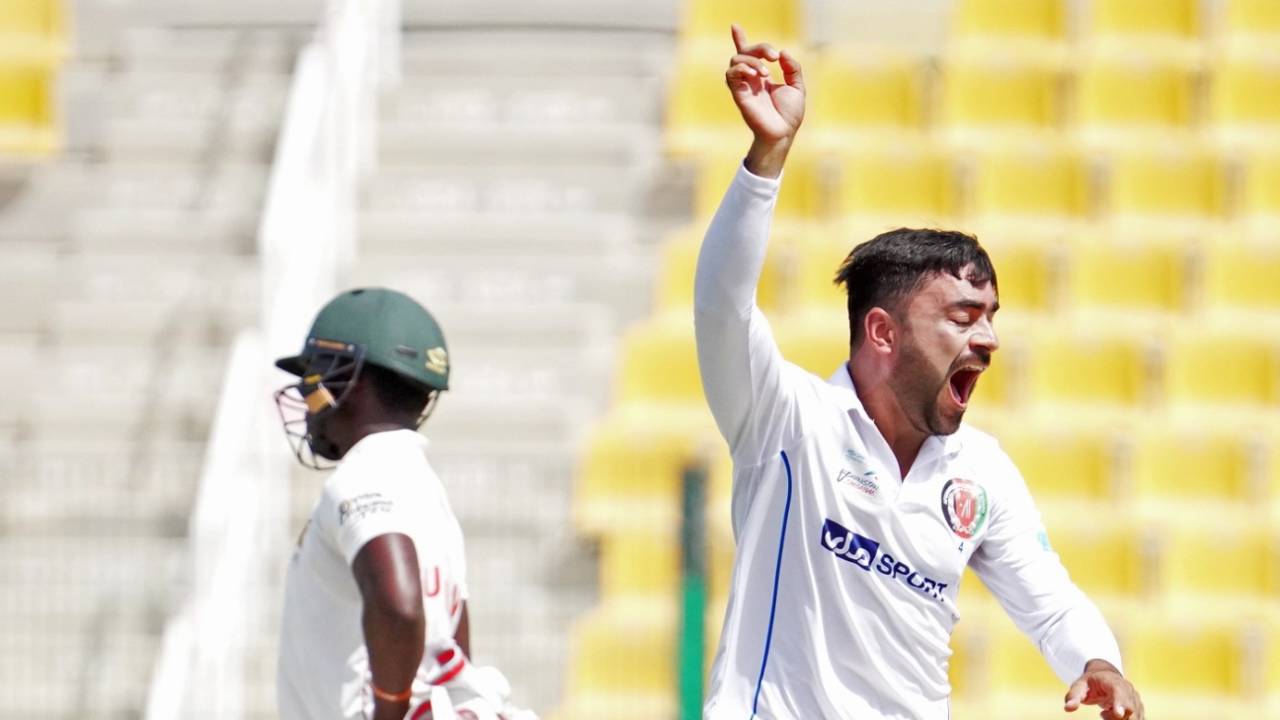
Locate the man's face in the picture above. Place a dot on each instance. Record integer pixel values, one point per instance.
(329, 420)
(947, 340)
(318, 429)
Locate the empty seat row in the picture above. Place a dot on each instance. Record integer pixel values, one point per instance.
(901, 181)
(1050, 19)
(1075, 272)
(1025, 19)
(1184, 556)
(1066, 362)
(1106, 98)
(630, 474)
(33, 43)
(1170, 649)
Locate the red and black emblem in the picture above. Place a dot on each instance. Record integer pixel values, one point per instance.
(964, 505)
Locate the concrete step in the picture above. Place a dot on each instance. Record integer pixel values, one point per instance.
(516, 99)
(512, 188)
(502, 326)
(192, 230)
(496, 235)
(548, 145)
(134, 322)
(544, 52)
(619, 279)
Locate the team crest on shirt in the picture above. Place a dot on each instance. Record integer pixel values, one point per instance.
(964, 505)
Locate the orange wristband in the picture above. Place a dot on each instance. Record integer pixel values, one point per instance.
(391, 697)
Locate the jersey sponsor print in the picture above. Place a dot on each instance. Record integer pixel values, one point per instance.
(865, 553)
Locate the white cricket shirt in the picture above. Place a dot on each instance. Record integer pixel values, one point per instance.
(843, 595)
(383, 485)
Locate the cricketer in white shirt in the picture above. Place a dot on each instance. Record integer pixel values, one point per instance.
(384, 485)
(843, 594)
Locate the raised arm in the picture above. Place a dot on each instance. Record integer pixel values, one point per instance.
(742, 371)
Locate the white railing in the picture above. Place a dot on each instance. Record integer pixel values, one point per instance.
(306, 241)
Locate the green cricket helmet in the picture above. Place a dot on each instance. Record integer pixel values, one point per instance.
(373, 326)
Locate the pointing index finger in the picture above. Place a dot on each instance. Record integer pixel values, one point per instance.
(739, 37)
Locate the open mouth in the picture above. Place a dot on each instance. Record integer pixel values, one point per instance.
(962, 382)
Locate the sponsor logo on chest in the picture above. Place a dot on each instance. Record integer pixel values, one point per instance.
(865, 553)
(860, 478)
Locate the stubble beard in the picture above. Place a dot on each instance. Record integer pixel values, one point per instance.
(918, 391)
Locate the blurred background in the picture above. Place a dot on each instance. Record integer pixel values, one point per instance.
(183, 184)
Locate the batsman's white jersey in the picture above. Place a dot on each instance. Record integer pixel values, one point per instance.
(843, 595)
(384, 485)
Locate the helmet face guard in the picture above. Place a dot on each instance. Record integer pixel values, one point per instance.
(331, 371)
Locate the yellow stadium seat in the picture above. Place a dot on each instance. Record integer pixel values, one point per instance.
(1245, 92)
(1191, 463)
(1230, 367)
(32, 45)
(1134, 92)
(1260, 197)
(1026, 18)
(1087, 368)
(999, 94)
(1104, 554)
(626, 647)
(640, 563)
(617, 706)
(815, 263)
(1242, 275)
(906, 182)
(1133, 274)
(28, 114)
(1185, 655)
(659, 361)
(1206, 556)
(975, 601)
(1026, 271)
(25, 95)
(1271, 467)
(860, 89)
(966, 668)
(1271, 662)
(816, 340)
(1061, 461)
(799, 198)
(778, 22)
(1169, 182)
(700, 111)
(678, 264)
(1252, 18)
(631, 469)
(1177, 18)
(1029, 183)
(1014, 662)
(32, 32)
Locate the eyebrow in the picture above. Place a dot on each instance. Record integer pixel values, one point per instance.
(974, 305)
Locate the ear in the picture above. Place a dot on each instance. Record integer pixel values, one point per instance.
(880, 331)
